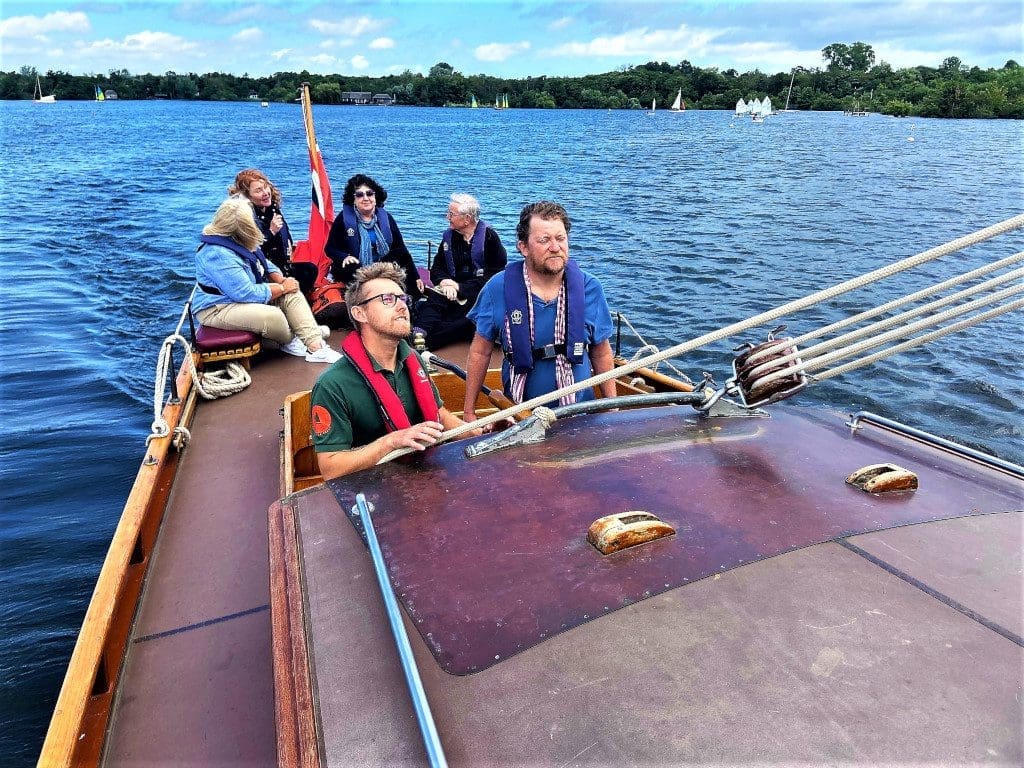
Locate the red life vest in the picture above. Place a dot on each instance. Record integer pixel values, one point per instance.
(395, 417)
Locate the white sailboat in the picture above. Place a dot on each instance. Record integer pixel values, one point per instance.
(678, 105)
(756, 113)
(37, 96)
(741, 107)
(654, 104)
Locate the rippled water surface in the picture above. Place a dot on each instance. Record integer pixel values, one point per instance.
(692, 221)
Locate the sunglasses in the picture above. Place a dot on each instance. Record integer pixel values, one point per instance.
(365, 193)
(388, 299)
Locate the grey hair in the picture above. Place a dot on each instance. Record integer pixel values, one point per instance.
(467, 204)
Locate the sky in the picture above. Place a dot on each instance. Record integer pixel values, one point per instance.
(504, 38)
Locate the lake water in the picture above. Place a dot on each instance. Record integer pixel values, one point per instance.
(692, 221)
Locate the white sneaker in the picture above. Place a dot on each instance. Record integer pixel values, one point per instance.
(294, 347)
(323, 355)
(325, 332)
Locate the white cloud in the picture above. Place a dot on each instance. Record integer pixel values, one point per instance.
(156, 45)
(359, 62)
(559, 24)
(323, 60)
(280, 53)
(331, 44)
(382, 43)
(766, 56)
(35, 26)
(360, 25)
(245, 14)
(500, 51)
(250, 35)
(681, 43)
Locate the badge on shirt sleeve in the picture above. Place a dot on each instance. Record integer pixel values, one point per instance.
(516, 317)
(577, 349)
(321, 419)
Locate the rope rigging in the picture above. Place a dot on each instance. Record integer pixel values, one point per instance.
(778, 368)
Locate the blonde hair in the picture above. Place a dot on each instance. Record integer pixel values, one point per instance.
(234, 219)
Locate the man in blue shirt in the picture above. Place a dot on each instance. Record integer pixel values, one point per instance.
(550, 317)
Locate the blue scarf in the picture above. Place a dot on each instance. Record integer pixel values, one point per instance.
(367, 234)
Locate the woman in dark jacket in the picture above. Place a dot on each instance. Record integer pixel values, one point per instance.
(365, 233)
(266, 206)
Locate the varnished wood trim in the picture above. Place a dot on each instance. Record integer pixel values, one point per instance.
(78, 726)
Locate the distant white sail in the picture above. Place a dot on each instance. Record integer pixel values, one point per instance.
(678, 101)
(741, 107)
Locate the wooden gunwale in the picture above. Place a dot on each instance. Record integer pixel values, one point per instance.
(78, 726)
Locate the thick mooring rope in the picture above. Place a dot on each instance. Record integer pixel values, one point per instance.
(210, 385)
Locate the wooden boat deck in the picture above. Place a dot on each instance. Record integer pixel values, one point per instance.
(196, 686)
(895, 646)
(876, 632)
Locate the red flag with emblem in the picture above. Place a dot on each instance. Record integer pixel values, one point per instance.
(321, 213)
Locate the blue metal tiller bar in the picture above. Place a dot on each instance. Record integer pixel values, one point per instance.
(431, 740)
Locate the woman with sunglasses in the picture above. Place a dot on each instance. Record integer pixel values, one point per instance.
(365, 233)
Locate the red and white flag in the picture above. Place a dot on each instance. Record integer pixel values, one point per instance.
(321, 213)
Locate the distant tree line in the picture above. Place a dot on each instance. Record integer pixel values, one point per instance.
(849, 80)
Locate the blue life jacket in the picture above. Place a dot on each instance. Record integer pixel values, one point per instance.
(518, 348)
(476, 250)
(253, 259)
(352, 227)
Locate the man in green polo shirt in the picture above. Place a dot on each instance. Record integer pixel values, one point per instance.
(377, 398)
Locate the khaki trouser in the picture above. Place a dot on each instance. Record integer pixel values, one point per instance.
(279, 320)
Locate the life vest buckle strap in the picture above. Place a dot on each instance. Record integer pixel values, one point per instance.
(548, 351)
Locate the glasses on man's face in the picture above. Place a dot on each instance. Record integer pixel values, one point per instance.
(388, 299)
(365, 193)
(452, 214)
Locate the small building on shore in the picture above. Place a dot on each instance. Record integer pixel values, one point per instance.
(356, 97)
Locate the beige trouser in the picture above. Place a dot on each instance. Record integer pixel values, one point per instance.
(279, 320)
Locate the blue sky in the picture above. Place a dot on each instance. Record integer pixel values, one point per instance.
(502, 38)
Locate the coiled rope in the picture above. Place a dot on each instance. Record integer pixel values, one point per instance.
(1008, 225)
(210, 385)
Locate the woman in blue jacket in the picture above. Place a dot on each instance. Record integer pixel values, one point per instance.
(240, 290)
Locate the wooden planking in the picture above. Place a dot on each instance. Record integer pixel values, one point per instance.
(78, 725)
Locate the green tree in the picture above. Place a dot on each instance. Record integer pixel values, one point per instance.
(858, 57)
